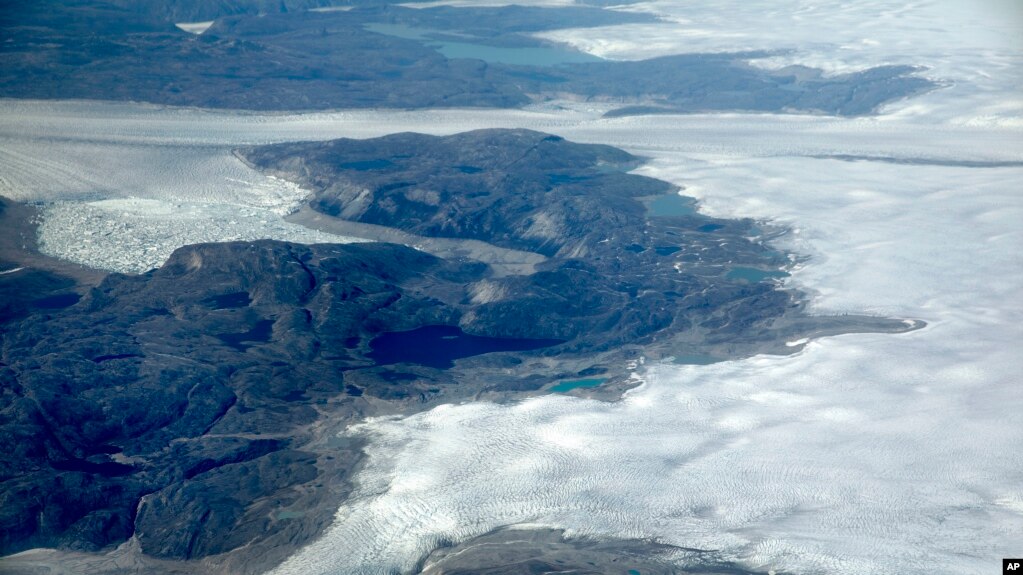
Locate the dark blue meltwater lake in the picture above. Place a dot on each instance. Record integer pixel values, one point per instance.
(438, 346)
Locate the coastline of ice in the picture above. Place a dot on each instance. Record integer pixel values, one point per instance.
(124, 196)
(860, 453)
(141, 153)
(183, 157)
(135, 235)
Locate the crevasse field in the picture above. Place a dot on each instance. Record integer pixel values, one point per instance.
(862, 453)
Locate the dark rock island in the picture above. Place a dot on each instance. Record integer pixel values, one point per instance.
(625, 259)
(193, 411)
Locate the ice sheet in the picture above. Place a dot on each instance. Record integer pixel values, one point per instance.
(861, 453)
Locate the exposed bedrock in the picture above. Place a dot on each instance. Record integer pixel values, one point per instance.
(196, 408)
(628, 260)
(263, 55)
(195, 386)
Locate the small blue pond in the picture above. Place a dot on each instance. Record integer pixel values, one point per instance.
(672, 205)
(438, 346)
(566, 386)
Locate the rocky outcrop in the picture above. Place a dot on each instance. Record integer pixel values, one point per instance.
(617, 273)
(188, 388)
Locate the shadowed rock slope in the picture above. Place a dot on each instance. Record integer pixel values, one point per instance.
(192, 386)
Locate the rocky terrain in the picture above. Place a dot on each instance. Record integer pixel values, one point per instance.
(191, 385)
(619, 267)
(193, 411)
(284, 56)
(30, 281)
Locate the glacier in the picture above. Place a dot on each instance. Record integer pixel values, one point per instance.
(880, 453)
